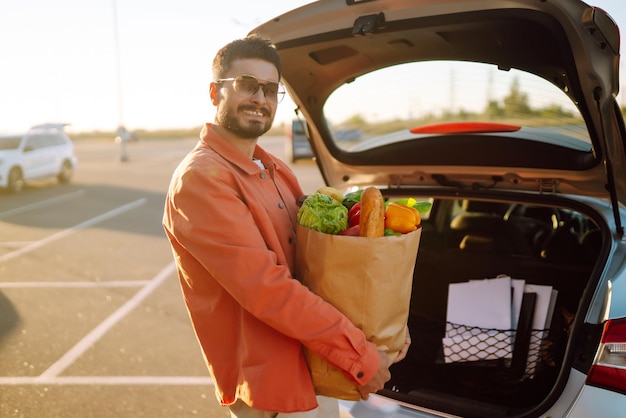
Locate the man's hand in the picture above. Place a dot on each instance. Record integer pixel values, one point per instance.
(405, 349)
(378, 381)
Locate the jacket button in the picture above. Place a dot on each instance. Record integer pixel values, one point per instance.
(290, 240)
(262, 175)
(359, 375)
(280, 205)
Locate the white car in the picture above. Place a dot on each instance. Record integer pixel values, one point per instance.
(503, 115)
(45, 151)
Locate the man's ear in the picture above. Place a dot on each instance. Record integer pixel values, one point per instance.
(214, 93)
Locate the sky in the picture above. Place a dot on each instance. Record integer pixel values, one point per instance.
(64, 60)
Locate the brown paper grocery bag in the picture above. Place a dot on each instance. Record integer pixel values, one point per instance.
(369, 280)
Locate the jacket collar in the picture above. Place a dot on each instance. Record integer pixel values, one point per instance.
(217, 143)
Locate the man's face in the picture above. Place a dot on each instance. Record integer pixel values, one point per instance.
(247, 116)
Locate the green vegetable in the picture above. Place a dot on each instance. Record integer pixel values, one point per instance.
(323, 213)
(422, 207)
(391, 233)
(351, 198)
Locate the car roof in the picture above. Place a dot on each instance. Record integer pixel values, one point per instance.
(56, 126)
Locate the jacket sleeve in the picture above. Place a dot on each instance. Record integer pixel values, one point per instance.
(207, 216)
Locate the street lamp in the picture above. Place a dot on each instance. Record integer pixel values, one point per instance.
(121, 130)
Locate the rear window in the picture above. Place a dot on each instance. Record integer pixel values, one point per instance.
(398, 99)
(44, 140)
(10, 142)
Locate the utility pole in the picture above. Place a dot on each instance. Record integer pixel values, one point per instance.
(452, 92)
(121, 130)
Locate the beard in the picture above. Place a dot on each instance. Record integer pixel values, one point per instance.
(228, 119)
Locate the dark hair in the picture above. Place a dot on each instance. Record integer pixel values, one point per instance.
(250, 47)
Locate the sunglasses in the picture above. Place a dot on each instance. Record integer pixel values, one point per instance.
(247, 85)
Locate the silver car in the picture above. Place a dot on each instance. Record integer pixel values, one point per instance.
(502, 114)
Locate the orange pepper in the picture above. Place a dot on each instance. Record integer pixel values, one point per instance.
(401, 218)
(418, 218)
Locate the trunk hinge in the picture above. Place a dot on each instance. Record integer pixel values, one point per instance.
(548, 186)
(395, 182)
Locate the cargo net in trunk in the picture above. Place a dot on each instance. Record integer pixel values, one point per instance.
(500, 319)
(523, 351)
(510, 368)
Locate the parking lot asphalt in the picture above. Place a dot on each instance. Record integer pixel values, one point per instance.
(92, 322)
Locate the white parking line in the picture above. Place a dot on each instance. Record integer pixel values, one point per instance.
(83, 345)
(64, 233)
(42, 203)
(51, 375)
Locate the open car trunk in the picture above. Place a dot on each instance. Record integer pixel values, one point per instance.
(487, 371)
(528, 190)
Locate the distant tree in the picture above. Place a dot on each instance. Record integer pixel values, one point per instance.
(465, 115)
(516, 103)
(494, 110)
(355, 121)
(555, 111)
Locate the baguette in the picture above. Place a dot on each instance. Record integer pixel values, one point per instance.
(372, 221)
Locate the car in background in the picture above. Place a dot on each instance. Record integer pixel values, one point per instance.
(503, 115)
(297, 146)
(346, 134)
(45, 151)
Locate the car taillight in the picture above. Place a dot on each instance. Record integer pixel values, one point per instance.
(609, 368)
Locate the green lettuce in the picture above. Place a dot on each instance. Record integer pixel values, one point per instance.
(323, 213)
(351, 198)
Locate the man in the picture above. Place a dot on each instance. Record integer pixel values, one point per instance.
(230, 215)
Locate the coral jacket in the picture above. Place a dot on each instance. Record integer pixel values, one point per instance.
(231, 227)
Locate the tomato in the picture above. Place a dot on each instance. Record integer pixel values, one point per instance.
(354, 214)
